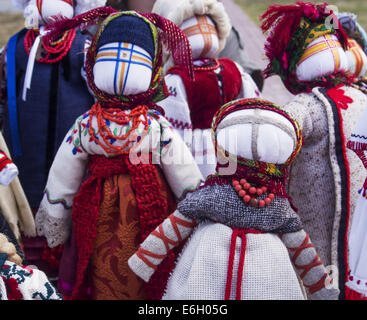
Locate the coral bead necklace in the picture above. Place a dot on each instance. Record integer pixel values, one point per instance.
(249, 193)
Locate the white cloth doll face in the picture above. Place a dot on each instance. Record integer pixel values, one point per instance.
(357, 59)
(202, 35)
(40, 12)
(122, 69)
(257, 134)
(323, 56)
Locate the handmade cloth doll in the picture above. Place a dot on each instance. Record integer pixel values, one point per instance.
(235, 49)
(19, 282)
(306, 48)
(121, 166)
(245, 220)
(357, 44)
(8, 232)
(8, 171)
(15, 213)
(45, 92)
(192, 104)
(357, 275)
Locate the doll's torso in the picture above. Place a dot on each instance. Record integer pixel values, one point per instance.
(319, 175)
(57, 96)
(222, 204)
(214, 86)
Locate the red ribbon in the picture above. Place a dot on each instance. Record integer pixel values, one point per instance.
(237, 233)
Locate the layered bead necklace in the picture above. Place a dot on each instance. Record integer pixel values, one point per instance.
(54, 51)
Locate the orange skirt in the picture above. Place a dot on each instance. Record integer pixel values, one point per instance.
(118, 238)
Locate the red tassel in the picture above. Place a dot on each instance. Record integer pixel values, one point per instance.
(350, 294)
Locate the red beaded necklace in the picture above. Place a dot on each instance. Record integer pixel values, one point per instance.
(54, 51)
(210, 66)
(248, 193)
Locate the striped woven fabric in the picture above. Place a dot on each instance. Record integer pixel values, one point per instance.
(358, 55)
(202, 26)
(124, 55)
(325, 43)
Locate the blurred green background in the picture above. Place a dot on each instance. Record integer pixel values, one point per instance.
(11, 22)
(255, 8)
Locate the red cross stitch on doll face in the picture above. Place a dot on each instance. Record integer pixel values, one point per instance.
(203, 36)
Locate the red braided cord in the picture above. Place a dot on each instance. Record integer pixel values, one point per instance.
(306, 268)
(317, 286)
(243, 234)
(167, 241)
(141, 253)
(241, 264)
(232, 251)
(175, 221)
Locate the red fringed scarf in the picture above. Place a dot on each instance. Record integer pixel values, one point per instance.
(256, 173)
(152, 207)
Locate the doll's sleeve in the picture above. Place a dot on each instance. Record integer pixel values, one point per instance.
(175, 106)
(8, 170)
(169, 234)
(53, 218)
(177, 162)
(309, 266)
(249, 88)
(299, 109)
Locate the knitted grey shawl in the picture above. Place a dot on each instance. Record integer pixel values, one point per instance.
(221, 203)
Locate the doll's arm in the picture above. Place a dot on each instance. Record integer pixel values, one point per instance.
(53, 218)
(178, 164)
(249, 88)
(168, 235)
(299, 109)
(309, 266)
(176, 108)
